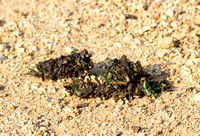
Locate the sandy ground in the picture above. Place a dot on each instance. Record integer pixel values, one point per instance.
(163, 33)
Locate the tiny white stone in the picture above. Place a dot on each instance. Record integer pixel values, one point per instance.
(146, 28)
(34, 87)
(21, 50)
(68, 49)
(90, 134)
(153, 119)
(197, 19)
(197, 97)
(127, 39)
(42, 89)
(118, 29)
(169, 12)
(117, 44)
(174, 25)
(2, 47)
(137, 41)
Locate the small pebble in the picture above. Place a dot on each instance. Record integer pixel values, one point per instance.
(49, 99)
(129, 16)
(197, 97)
(1, 87)
(2, 46)
(68, 49)
(127, 39)
(190, 89)
(11, 107)
(117, 44)
(2, 22)
(153, 120)
(180, 35)
(178, 95)
(117, 133)
(175, 123)
(168, 93)
(69, 13)
(21, 50)
(159, 121)
(142, 134)
(2, 58)
(179, 11)
(135, 129)
(25, 107)
(119, 108)
(169, 12)
(34, 86)
(145, 6)
(121, 102)
(155, 5)
(197, 19)
(165, 42)
(89, 134)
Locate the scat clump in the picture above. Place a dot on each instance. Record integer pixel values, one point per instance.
(73, 65)
(123, 79)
